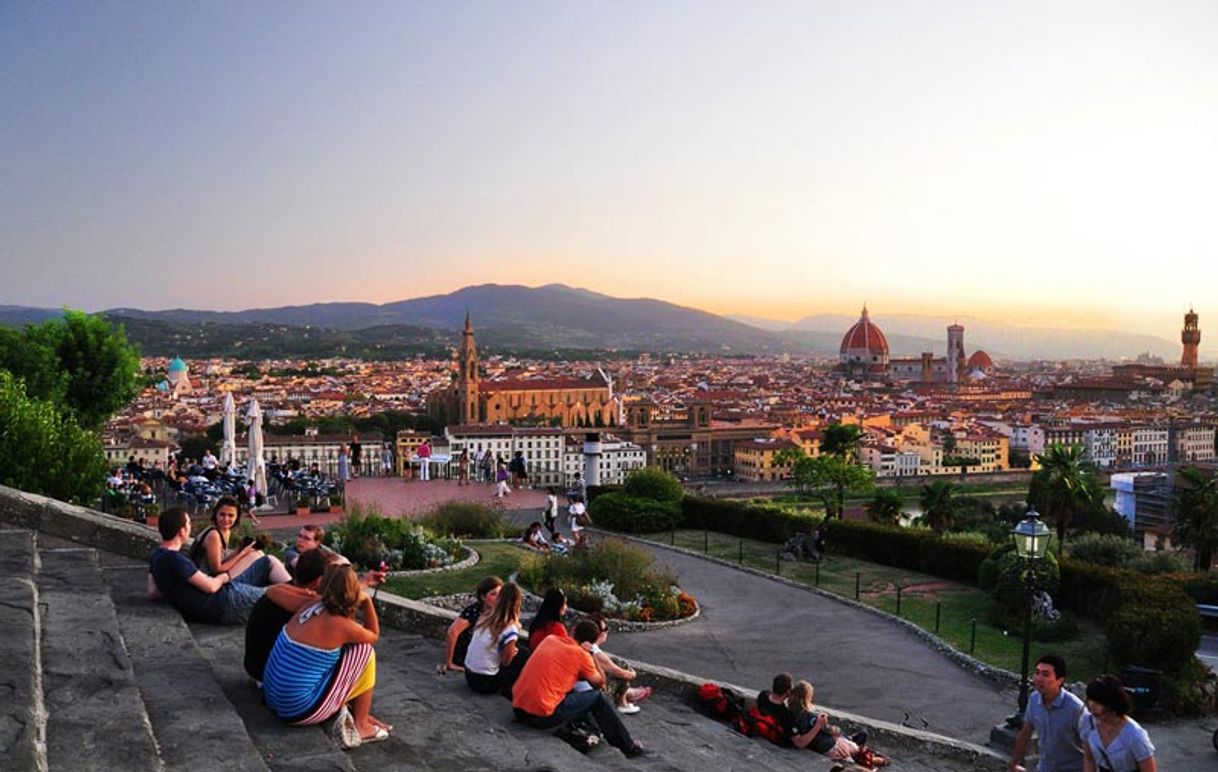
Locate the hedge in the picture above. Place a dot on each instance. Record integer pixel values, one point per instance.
(633, 514)
(1150, 621)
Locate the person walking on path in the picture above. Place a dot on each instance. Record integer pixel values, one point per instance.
(463, 468)
(1053, 714)
(424, 454)
(501, 481)
(1113, 740)
(344, 464)
(550, 518)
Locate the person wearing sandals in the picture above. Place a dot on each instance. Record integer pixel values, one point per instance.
(323, 664)
(812, 730)
(496, 656)
(625, 696)
(245, 564)
(456, 640)
(545, 695)
(1112, 741)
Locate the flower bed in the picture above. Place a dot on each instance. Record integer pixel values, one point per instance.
(613, 578)
(366, 539)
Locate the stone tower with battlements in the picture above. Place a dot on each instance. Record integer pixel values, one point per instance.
(1190, 336)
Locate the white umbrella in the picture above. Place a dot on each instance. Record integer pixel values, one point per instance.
(255, 468)
(228, 451)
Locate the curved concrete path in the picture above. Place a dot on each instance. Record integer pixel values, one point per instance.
(752, 627)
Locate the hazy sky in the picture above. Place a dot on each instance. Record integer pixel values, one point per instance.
(1047, 161)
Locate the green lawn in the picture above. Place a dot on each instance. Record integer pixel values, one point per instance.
(498, 559)
(958, 604)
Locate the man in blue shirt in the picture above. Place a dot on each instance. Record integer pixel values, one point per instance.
(198, 597)
(1053, 713)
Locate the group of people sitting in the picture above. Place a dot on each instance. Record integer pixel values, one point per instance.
(578, 519)
(789, 702)
(555, 678)
(310, 625)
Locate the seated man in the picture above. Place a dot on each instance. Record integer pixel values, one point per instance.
(307, 538)
(543, 695)
(773, 701)
(198, 597)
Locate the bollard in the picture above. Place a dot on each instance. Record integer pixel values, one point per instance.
(672, 535)
(858, 582)
(741, 557)
(898, 600)
(972, 645)
(778, 562)
(705, 540)
(938, 608)
(818, 574)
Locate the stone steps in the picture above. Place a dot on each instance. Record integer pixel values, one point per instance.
(195, 725)
(21, 725)
(95, 717)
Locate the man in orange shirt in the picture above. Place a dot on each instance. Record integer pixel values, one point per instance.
(543, 698)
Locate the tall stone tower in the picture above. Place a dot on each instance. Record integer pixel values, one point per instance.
(1190, 336)
(467, 380)
(955, 352)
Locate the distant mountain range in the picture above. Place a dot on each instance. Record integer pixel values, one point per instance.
(557, 317)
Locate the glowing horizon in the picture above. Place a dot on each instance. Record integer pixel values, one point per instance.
(933, 159)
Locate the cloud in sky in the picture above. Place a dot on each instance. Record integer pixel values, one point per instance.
(1044, 161)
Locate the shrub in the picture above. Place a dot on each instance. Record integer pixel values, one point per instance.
(366, 539)
(651, 482)
(1103, 549)
(1010, 591)
(1202, 588)
(917, 549)
(1156, 624)
(611, 576)
(1161, 562)
(634, 514)
(1191, 691)
(467, 520)
(596, 491)
(764, 523)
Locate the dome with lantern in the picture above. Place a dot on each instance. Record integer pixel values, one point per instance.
(864, 348)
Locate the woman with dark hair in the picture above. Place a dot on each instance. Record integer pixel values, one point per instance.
(495, 657)
(323, 660)
(245, 564)
(548, 619)
(1112, 741)
(461, 630)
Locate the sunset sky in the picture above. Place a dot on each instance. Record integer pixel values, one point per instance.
(1050, 162)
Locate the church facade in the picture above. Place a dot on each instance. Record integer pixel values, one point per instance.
(561, 401)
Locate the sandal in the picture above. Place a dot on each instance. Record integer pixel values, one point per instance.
(380, 735)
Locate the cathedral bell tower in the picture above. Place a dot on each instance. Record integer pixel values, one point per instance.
(1190, 336)
(467, 380)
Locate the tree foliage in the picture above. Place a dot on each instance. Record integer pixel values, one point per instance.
(1197, 515)
(1063, 487)
(884, 507)
(80, 362)
(938, 501)
(841, 440)
(827, 477)
(44, 451)
(652, 482)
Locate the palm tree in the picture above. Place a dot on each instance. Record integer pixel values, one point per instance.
(1197, 515)
(938, 505)
(841, 440)
(885, 507)
(1063, 486)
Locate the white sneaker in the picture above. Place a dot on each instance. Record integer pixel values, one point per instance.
(628, 709)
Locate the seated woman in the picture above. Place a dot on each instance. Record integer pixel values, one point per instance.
(812, 730)
(1111, 739)
(548, 619)
(456, 640)
(495, 655)
(246, 564)
(532, 538)
(276, 607)
(624, 695)
(323, 660)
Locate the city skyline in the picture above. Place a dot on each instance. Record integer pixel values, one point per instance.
(1046, 164)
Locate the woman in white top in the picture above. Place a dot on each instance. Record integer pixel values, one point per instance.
(495, 657)
(1111, 739)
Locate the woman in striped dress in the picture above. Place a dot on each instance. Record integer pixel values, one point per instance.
(323, 659)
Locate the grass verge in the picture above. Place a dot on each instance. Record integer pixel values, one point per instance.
(497, 559)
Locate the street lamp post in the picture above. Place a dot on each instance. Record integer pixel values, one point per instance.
(1031, 537)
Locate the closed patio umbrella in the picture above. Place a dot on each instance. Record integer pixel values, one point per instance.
(256, 466)
(228, 451)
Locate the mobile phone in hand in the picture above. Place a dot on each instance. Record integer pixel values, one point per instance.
(247, 541)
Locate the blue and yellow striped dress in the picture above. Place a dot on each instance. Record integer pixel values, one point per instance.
(297, 676)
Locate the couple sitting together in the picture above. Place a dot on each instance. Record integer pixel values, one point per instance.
(790, 703)
(557, 682)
